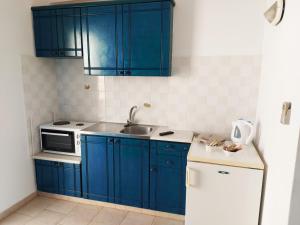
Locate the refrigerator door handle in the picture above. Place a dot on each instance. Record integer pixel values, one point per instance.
(188, 177)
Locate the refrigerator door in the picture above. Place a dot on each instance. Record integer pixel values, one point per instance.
(221, 195)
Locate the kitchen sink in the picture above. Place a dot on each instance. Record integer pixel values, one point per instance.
(137, 130)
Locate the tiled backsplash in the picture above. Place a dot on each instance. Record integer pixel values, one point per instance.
(205, 94)
(41, 100)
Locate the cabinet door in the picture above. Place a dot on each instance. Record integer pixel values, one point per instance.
(131, 159)
(99, 26)
(223, 195)
(47, 176)
(147, 44)
(45, 33)
(69, 32)
(167, 176)
(97, 173)
(69, 179)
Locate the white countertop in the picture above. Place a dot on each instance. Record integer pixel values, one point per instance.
(248, 157)
(57, 158)
(178, 136)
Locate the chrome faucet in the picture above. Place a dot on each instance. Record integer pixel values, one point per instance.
(132, 113)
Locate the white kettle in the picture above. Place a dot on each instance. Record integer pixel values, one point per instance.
(242, 132)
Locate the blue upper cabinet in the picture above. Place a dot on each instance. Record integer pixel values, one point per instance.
(147, 45)
(45, 33)
(97, 168)
(132, 172)
(115, 38)
(57, 32)
(99, 40)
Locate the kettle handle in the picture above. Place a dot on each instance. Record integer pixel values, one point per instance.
(252, 132)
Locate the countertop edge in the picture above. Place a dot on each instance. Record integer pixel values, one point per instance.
(58, 158)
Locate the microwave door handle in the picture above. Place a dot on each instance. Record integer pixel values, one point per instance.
(55, 134)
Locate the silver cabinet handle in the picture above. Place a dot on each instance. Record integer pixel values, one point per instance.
(55, 134)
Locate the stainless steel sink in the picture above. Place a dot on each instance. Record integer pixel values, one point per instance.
(137, 130)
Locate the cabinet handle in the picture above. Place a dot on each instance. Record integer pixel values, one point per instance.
(188, 177)
(170, 147)
(121, 72)
(111, 141)
(169, 162)
(152, 169)
(223, 172)
(128, 72)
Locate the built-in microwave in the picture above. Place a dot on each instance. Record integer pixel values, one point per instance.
(62, 137)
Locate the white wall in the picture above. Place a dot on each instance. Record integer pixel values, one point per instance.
(218, 28)
(279, 143)
(16, 170)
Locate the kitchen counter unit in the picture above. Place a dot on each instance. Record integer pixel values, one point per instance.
(114, 130)
(248, 157)
(57, 158)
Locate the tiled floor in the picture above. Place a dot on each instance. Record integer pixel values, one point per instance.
(46, 211)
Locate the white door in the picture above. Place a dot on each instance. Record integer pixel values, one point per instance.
(220, 195)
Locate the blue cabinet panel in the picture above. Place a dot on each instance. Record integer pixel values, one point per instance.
(58, 178)
(69, 32)
(99, 40)
(132, 172)
(57, 32)
(69, 179)
(45, 33)
(143, 39)
(47, 176)
(96, 169)
(167, 176)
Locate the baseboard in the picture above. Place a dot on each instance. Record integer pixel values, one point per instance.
(16, 206)
(111, 205)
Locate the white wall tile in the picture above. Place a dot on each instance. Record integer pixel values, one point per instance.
(41, 99)
(205, 93)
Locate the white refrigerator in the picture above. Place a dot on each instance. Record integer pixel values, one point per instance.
(223, 190)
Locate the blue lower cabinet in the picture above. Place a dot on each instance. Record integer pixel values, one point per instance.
(97, 168)
(131, 163)
(47, 176)
(69, 179)
(58, 178)
(167, 176)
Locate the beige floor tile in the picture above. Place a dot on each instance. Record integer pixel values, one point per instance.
(86, 211)
(46, 217)
(81, 215)
(164, 221)
(36, 206)
(74, 220)
(137, 219)
(109, 216)
(61, 206)
(16, 219)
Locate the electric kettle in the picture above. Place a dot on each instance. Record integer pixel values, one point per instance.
(242, 132)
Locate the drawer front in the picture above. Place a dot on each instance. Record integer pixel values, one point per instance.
(169, 161)
(171, 148)
(95, 139)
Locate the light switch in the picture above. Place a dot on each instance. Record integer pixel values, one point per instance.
(286, 113)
